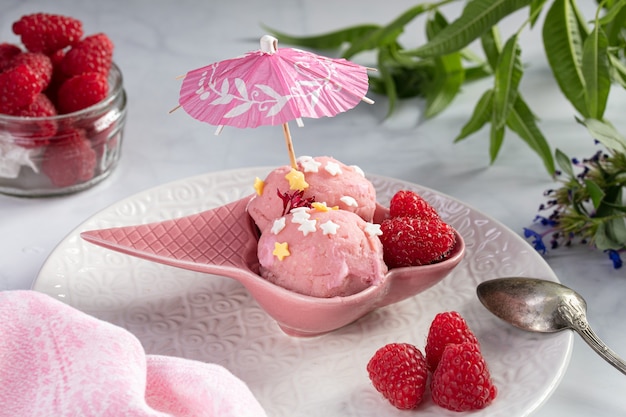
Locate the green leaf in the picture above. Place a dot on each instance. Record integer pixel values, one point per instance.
(387, 79)
(618, 232)
(449, 77)
(612, 13)
(610, 235)
(595, 68)
(535, 10)
(604, 132)
(477, 17)
(595, 193)
(410, 79)
(480, 116)
(435, 24)
(613, 22)
(581, 21)
(564, 162)
(496, 137)
(472, 57)
(449, 72)
(330, 40)
(523, 122)
(618, 70)
(492, 45)
(477, 73)
(387, 34)
(613, 194)
(507, 78)
(563, 44)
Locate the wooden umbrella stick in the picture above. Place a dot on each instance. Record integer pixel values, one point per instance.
(292, 155)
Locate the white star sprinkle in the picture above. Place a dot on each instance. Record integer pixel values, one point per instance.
(278, 226)
(333, 168)
(329, 227)
(300, 215)
(309, 164)
(307, 226)
(373, 229)
(349, 201)
(358, 170)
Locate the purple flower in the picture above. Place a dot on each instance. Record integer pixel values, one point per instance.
(537, 240)
(614, 256)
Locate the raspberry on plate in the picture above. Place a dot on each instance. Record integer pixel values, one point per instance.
(409, 203)
(47, 33)
(398, 371)
(462, 381)
(82, 91)
(413, 241)
(70, 159)
(92, 54)
(446, 328)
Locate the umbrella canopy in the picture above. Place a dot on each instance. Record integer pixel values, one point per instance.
(272, 86)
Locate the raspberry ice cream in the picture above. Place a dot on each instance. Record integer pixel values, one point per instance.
(322, 252)
(323, 179)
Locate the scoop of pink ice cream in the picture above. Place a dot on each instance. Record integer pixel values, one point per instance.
(329, 181)
(322, 253)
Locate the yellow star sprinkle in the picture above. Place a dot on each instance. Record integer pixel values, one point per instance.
(321, 206)
(296, 180)
(281, 250)
(258, 185)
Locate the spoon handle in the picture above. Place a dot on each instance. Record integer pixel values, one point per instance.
(588, 335)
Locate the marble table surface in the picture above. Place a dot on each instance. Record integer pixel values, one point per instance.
(159, 40)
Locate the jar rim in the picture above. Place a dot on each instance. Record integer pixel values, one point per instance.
(116, 86)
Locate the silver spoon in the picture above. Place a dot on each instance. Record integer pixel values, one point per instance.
(543, 306)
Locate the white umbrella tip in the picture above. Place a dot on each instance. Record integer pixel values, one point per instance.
(269, 44)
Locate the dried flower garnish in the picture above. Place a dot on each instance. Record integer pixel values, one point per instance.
(294, 200)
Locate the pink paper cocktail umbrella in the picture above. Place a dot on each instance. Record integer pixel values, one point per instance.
(272, 86)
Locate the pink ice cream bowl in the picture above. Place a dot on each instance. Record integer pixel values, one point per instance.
(223, 241)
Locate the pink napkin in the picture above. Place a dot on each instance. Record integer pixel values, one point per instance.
(58, 361)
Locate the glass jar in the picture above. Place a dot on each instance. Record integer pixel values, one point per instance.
(48, 156)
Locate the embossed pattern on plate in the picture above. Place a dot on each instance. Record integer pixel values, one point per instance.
(214, 319)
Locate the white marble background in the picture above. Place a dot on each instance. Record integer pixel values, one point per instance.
(158, 40)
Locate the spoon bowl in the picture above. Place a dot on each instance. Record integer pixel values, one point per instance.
(223, 241)
(543, 306)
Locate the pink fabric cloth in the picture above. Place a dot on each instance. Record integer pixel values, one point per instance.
(57, 361)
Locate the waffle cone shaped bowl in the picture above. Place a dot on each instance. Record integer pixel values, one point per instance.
(223, 241)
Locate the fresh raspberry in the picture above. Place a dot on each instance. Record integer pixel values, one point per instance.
(409, 203)
(446, 328)
(92, 54)
(7, 52)
(58, 77)
(57, 57)
(69, 159)
(398, 371)
(413, 241)
(18, 88)
(47, 33)
(36, 133)
(462, 381)
(82, 91)
(40, 64)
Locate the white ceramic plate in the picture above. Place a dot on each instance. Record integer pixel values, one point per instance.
(213, 319)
